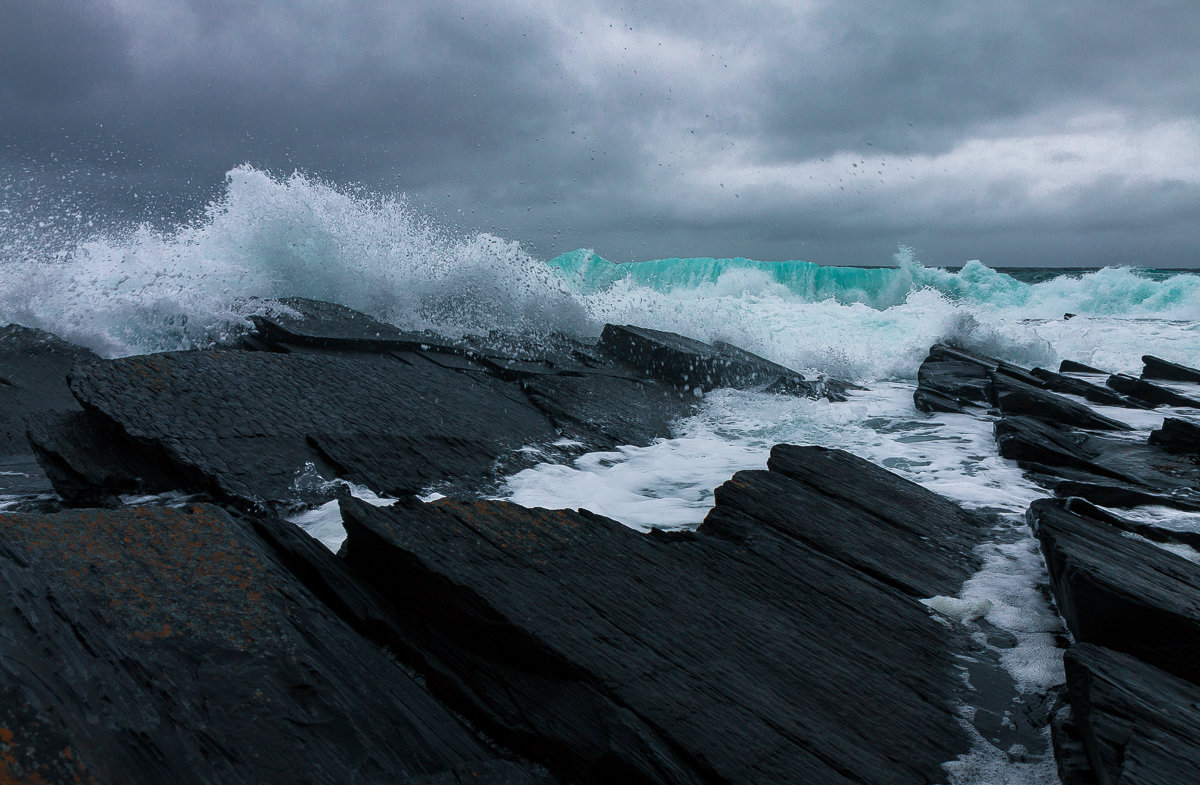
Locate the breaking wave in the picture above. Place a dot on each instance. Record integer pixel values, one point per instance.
(141, 289)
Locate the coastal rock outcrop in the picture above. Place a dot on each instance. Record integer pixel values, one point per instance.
(152, 645)
(736, 653)
(327, 392)
(1129, 598)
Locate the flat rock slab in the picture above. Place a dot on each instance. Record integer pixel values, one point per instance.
(736, 654)
(1015, 397)
(1178, 436)
(1139, 725)
(172, 646)
(1061, 383)
(303, 322)
(1150, 393)
(1105, 469)
(694, 365)
(1120, 592)
(33, 378)
(1158, 368)
(240, 422)
(601, 412)
(1070, 366)
(867, 524)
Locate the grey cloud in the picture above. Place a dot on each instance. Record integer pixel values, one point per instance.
(536, 122)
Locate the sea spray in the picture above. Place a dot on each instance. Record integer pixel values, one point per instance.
(139, 289)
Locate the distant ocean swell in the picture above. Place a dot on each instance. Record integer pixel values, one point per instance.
(135, 289)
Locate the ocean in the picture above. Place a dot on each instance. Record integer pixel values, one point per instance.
(124, 290)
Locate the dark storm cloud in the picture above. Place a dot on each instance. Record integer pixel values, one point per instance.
(1009, 131)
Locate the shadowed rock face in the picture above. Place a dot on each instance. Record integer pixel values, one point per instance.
(1142, 725)
(1120, 592)
(759, 649)
(33, 382)
(1178, 436)
(33, 378)
(172, 646)
(1132, 606)
(1150, 393)
(1157, 368)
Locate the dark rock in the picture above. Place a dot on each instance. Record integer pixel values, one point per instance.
(1112, 493)
(1070, 366)
(693, 365)
(1156, 368)
(1177, 436)
(1138, 725)
(90, 460)
(1153, 394)
(1155, 533)
(1120, 592)
(1015, 397)
(742, 653)
(327, 391)
(1095, 393)
(858, 514)
(1056, 454)
(955, 380)
(239, 424)
(602, 412)
(317, 324)
(1070, 756)
(33, 378)
(172, 646)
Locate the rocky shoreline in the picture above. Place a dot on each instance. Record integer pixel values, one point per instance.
(784, 640)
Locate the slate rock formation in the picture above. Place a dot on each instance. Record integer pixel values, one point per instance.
(328, 392)
(692, 365)
(726, 655)
(1132, 605)
(33, 371)
(1143, 725)
(1178, 436)
(1121, 593)
(172, 645)
(1157, 368)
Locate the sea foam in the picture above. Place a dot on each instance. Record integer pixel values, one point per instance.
(129, 289)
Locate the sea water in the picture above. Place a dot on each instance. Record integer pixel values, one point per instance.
(129, 289)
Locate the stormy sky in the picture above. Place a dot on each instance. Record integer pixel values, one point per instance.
(1015, 132)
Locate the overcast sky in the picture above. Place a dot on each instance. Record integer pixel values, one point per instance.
(1011, 131)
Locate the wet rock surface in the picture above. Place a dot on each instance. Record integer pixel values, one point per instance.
(1121, 592)
(205, 644)
(173, 646)
(693, 365)
(726, 655)
(1124, 587)
(783, 641)
(1140, 726)
(33, 372)
(333, 393)
(1178, 436)
(33, 380)
(1157, 368)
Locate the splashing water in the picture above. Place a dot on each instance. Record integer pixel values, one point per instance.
(144, 290)
(141, 289)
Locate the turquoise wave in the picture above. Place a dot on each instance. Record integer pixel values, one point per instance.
(1110, 291)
